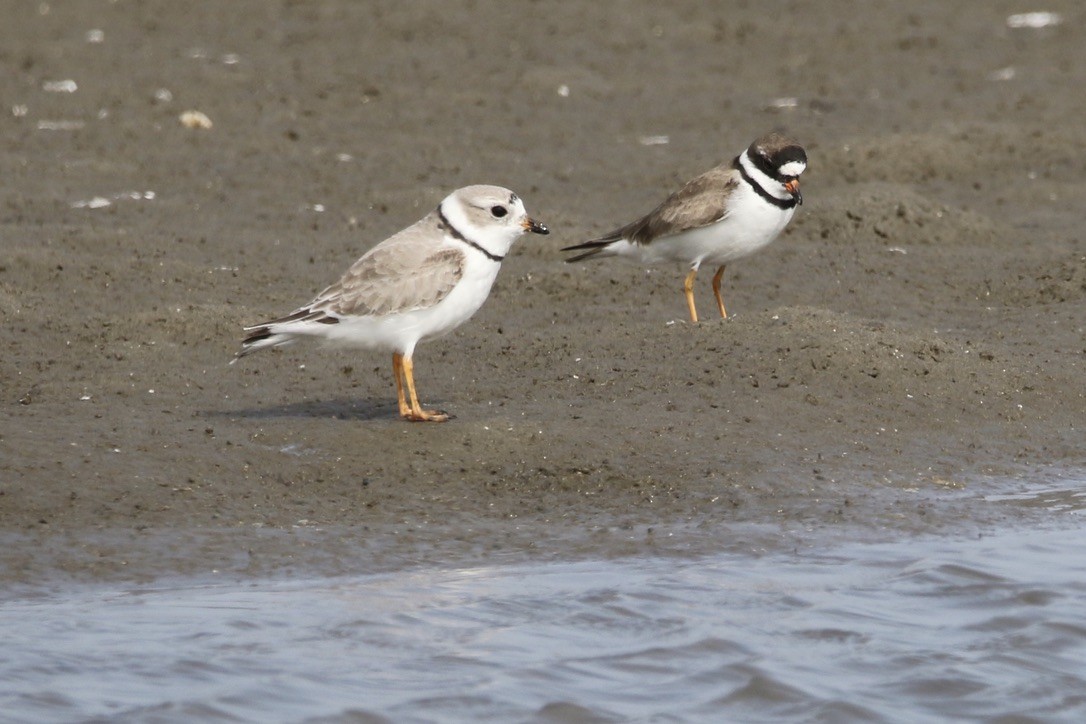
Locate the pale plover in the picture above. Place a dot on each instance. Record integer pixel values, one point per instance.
(724, 214)
(418, 284)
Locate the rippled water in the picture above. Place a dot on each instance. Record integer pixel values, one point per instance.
(918, 630)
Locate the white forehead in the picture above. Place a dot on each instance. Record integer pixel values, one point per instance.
(792, 168)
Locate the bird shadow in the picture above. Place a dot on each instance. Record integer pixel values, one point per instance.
(340, 409)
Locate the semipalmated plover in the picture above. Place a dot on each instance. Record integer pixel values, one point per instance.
(418, 284)
(724, 214)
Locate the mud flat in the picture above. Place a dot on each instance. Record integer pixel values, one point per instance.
(911, 347)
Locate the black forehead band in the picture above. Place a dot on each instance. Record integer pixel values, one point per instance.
(789, 154)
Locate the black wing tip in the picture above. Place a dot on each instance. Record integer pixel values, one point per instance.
(590, 248)
(582, 257)
(257, 337)
(251, 342)
(302, 315)
(255, 334)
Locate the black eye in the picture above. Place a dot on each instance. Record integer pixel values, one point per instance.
(498, 211)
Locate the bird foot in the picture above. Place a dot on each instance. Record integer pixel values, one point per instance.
(421, 415)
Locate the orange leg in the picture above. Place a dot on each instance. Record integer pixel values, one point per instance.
(688, 289)
(397, 372)
(415, 413)
(716, 291)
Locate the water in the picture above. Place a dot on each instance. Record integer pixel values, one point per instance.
(928, 630)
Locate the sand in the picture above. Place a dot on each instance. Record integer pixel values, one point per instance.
(909, 351)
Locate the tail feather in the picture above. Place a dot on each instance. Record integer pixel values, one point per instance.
(262, 337)
(271, 334)
(591, 248)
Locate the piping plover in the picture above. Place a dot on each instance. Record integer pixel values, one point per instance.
(418, 284)
(724, 214)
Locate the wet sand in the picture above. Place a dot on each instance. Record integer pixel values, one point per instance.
(912, 344)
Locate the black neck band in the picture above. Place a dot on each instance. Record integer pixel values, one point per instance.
(456, 233)
(789, 203)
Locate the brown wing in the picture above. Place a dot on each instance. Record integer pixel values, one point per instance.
(702, 201)
(403, 273)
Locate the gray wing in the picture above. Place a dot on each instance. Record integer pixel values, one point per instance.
(407, 271)
(701, 201)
